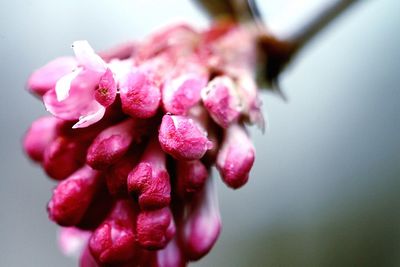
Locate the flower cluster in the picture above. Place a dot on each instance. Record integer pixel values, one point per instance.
(134, 133)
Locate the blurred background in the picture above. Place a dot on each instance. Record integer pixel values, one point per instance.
(325, 188)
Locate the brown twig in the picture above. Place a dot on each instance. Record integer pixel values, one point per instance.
(277, 53)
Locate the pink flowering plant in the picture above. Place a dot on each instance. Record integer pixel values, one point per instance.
(135, 131)
(133, 135)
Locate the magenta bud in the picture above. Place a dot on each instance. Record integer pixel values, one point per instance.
(106, 91)
(183, 138)
(170, 256)
(111, 144)
(45, 78)
(149, 180)
(191, 176)
(235, 157)
(222, 101)
(114, 240)
(98, 209)
(72, 197)
(63, 157)
(140, 95)
(183, 92)
(250, 99)
(155, 228)
(86, 259)
(39, 136)
(117, 175)
(122, 51)
(203, 224)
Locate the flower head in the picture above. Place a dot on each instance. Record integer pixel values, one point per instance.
(135, 133)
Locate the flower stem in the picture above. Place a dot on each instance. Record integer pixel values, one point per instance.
(277, 52)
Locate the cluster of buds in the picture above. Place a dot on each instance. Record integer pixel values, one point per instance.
(133, 136)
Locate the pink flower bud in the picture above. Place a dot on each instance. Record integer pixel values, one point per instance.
(190, 176)
(149, 180)
(183, 138)
(174, 40)
(112, 143)
(236, 156)
(140, 95)
(63, 157)
(117, 175)
(222, 101)
(98, 209)
(170, 256)
(87, 260)
(72, 197)
(72, 241)
(39, 136)
(183, 92)
(124, 198)
(45, 78)
(122, 51)
(155, 228)
(114, 240)
(203, 224)
(106, 91)
(247, 88)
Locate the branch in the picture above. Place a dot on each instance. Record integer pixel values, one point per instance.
(277, 52)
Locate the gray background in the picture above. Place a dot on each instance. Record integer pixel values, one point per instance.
(324, 190)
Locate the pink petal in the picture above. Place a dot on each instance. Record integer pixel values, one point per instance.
(91, 118)
(80, 101)
(87, 57)
(45, 78)
(63, 85)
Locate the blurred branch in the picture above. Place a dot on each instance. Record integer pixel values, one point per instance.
(277, 52)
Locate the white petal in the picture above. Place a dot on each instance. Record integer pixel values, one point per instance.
(63, 85)
(87, 57)
(89, 119)
(120, 68)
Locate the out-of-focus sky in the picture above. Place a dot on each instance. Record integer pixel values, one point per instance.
(325, 186)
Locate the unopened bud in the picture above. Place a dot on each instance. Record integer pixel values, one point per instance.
(203, 224)
(149, 180)
(222, 101)
(39, 136)
(235, 157)
(106, 91)
(72, 197)
(183, 138)
(140, 95)
(155, 228)
(114, 240)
